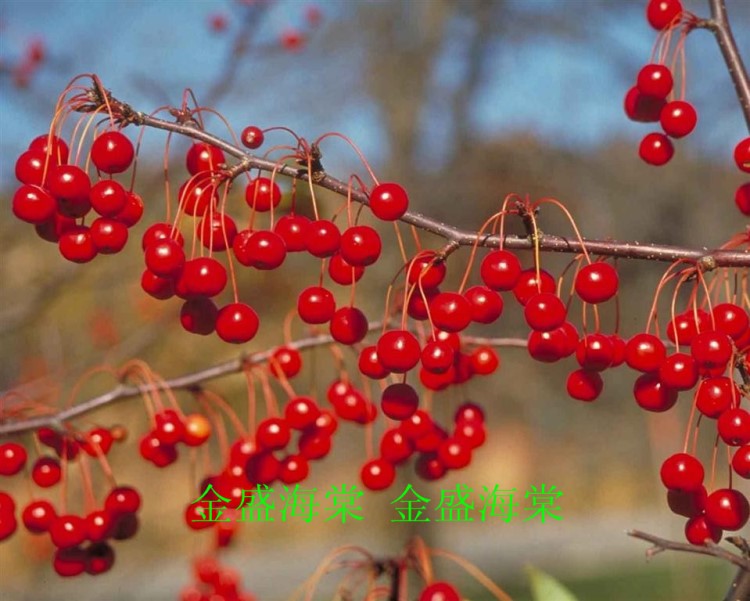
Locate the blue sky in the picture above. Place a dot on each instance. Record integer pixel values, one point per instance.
(568, 94)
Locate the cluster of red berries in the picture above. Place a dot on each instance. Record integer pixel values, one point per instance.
(652, 98)
(56, 197)
(199, 280)
(718, 342)
(214, 582)
(82, 541)
(159, 445)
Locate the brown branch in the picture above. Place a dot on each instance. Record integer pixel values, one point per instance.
(707, 258)
(739, 590)
(719, 25)
(194, 379)
(662, 544)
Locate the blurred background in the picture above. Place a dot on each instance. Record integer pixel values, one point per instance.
(462, 102)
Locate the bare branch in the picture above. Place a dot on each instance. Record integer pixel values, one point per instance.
(194, 379)
(662, 544)
(707, 258)
(719, 25)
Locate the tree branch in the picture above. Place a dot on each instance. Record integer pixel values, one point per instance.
(707, 258)
(662, 544)
(194, 379)
(719, 26)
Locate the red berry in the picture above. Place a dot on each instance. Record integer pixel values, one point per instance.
(12, 458)
(686, 326)
(429, 467)
(198, 315)
(237, 323)
(641, 107)
(486, 304)
(67, 531)
(197, 429)
(398, 351)
(272, 433)
(108, 197)
(450, 311)
(715, 395)
(203, 157)
(265, 250)
(369, 364)
(742, 198)
(204, 276)
(121, 500)
(399, 401)
(731, 319)
(395, 448)
(501, 270)
(33, 168)
(38, 516)
(741, 461)
(389, 201)
(342, 272)
(663, 13)
(301, 412)
(678, 118)
(687, 504)
(437, 356)
(596, 282)
(217, 231)
(727, 509)
(287, 361)
(348, 325)
(196, 195)
(165, 258)
(97, 442)
(484, 360)
(595, 352)
(679, 371)
(645, 352)
(70, 185)
(427, 270)
(682, 472)
(652, 395)
(733, 426)
(584, 385)
(261, 194)
(108, 236)
(322, 238)
(360, 245)
(99, 558)
(112, 152)
(711, 350)
(99, 525)
(316, 305)
(157, 286)
(656, 149)
(53, 146)
(293, 468)
(544, 312)
(34, 204)
(698, 531)
(46, 472)
(293, 231)
(252, 137)
(528, 285)
(69, 562)
(655, 80)
(377, 474)
(742, 155)
(439, 591)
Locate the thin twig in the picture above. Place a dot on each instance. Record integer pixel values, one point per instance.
(707, 258)
(193, 379)
(718, 24)
(662, 544)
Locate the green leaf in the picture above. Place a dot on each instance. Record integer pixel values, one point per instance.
(545, 588)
